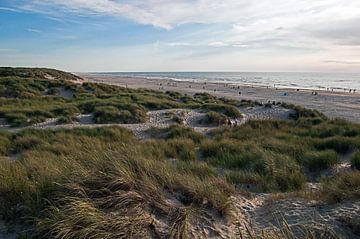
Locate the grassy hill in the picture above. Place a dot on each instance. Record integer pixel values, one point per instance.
(40, 73)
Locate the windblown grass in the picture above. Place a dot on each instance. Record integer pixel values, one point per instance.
(342, 187)
(355, 160)
(102, 184)
(105, 183)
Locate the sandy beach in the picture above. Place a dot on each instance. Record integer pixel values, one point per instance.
(333, 104)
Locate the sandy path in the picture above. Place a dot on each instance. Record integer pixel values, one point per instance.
(298, 213)
(333, 104)
(161, 119)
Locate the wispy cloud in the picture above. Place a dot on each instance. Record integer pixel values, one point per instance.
(9, 9)
(232, 29)
(218, 44)
(7, 50)
(288, 21)
(343, 62)
(178, 44)
(34, 30)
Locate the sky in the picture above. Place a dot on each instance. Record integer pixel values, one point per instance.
(182, 35)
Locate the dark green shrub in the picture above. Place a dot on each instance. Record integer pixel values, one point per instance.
(338, 143)
(281, 182)
(178, 131)
(355, 160)
(228, 110)
(17, 119)
(320, 160)
(214, 118)
(53, 91)
(4, 144)
(218, 148)
(342, 187)
(66, 120)
(242, 177)
(69, 110)
(106, 114)
(111, 114)
(202, 170)
(184, 149)
(26, 142)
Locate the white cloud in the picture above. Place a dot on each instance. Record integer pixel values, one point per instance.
(34, 30)
(321, 29)
(178, 44)
(218, 44)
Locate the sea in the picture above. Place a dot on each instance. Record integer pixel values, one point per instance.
(316, 81)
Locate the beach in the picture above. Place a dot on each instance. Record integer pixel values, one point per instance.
(342, 105)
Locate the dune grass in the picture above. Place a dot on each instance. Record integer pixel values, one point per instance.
(28, 97)
(355, 160)
(214, 119)
(342, 187)
(75, 188)
(105, 183)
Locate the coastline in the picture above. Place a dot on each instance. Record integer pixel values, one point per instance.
(333, 104)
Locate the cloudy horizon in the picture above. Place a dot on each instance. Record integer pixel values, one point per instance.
(182, 35)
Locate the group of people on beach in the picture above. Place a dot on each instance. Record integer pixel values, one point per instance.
(234, 87)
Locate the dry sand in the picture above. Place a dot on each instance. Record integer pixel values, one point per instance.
(333, 104)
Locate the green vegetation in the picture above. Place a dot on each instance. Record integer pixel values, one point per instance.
(43, 73)
(228, 110)
(214, 118)
(31, 96)
(342, 187)
(127, 114)
(74, 180)
(105, 183)
(355, 160)
(320, 160)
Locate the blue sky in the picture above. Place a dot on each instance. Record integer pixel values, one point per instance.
(181, 35)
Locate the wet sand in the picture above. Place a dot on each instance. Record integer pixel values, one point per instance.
(333, 104)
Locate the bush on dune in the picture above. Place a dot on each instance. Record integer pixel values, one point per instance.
(320, 160)
(127, 114)
(345, 186)
(214, 118)
(355, 160)
(268, 171)
(338, 143)
(228, 110)
(176, 132)
(4, 144)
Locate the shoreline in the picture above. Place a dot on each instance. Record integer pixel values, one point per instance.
(333, 104)
(244, 84)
